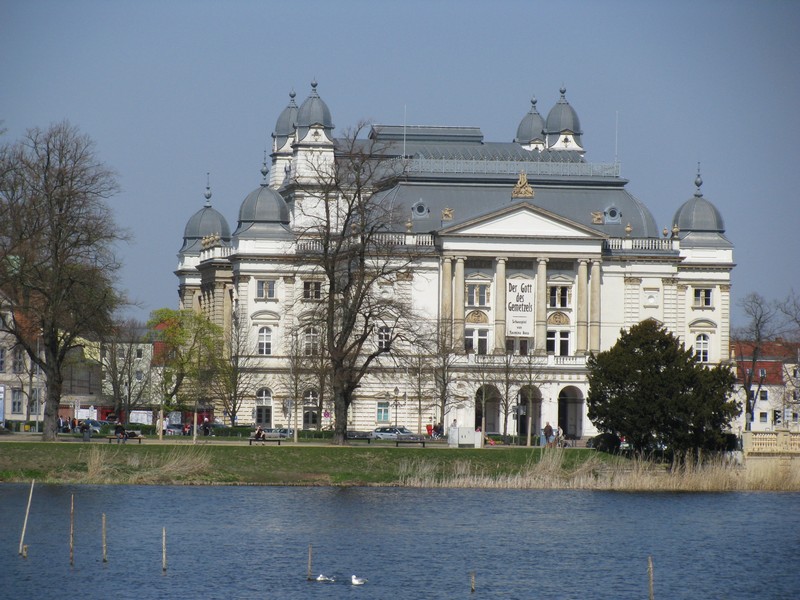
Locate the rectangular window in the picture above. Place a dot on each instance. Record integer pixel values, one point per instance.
(762, 373)
(763, 395)
(312, 290)
(517, 346)
(382, 415)
(476, 340)
(139, 375)
(18, 364)
(311, 341)
(16, 401)
(477, 294)
(384, 338)
(265, 288)
(559, 296)
(558, 343)
(762, 417)
(2, 360)
(702, 297)
(139, 353)
(36, 401)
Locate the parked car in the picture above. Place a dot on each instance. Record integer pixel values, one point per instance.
(392, 433)
(174, 429)
(93, 424)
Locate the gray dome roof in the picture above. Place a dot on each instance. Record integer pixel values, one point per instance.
(314, 111)
(698, 214)
(206, 221)
(531, 127)
(263, 214)
(562, 117)
(287, 121)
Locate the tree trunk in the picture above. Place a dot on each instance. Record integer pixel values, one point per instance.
(341, 402)
(50, 423)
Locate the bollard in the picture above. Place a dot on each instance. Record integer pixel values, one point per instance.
(308, 574)
(105, 549)
(472, 582)
(164, 550)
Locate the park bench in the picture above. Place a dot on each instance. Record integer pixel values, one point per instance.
(399, 441)
(129, 435)
(264, 440)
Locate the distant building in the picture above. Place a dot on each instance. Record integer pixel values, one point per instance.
(524, 249)
(774, 378)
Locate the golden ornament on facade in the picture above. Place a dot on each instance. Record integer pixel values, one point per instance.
(522, 189)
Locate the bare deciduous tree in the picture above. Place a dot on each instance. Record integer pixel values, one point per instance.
(350, 233)
(126, 358)
(57, 242)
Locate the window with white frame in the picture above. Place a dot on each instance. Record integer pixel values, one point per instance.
(139, 353)
(16, 401)
(18, 360)
(478, 294)
(559, 296)
(310, 409)
(762, 417)
(312, 290)
(701, 348)
(558, 343)
(476, 340)
(384, 338)
(517, 345)
(382, 414)
(702, 297)
(310, 341)
(265, 341)
(763, 395)
(263, 412)
(265, 289)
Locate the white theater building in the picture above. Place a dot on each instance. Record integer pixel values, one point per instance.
(534, 257)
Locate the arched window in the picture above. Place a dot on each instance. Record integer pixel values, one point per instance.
(701, 348)
(265, 341)
(263, 412)
(310, 409)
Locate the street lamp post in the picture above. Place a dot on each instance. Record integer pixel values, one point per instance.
(396, 403)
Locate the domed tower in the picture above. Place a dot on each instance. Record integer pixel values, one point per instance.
(698, 223)
(563, 128)
(313, 146)
(282, 140)
(530, 133)
(263, 215)
(205, 227)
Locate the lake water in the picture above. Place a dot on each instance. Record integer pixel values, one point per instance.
(252, 542)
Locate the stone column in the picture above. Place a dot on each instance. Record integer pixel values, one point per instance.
(541, 307)
(458, 305)
(446, 312)
(594, 310)
(583, 306)
(500, 306)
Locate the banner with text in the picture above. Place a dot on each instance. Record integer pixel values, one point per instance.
(519, 308)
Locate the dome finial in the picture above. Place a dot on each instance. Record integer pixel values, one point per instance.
(207, 194)
(314, 85)
(264, 169)
(292, 94)
(698, 181)
(533, 103)
(563, 90)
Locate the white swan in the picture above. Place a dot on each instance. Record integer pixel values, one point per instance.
(358, 580)
(322, 577)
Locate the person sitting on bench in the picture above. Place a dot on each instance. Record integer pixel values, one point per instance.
(119, 431)
(259, 434)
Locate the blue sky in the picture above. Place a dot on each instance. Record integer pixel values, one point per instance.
(172, 90)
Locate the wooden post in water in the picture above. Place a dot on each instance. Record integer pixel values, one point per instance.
(163, 549)
(650, 576)
(308, 574)
(23, 549)
(105, 549)
(472, 582)
(72, 531)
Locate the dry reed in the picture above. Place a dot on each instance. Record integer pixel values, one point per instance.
(114, 466)
(593, 474)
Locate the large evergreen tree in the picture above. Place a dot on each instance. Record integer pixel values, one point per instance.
(651, 390)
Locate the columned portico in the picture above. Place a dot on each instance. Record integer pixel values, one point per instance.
(594, 317)
(541, 306)
(458, 305)
(500, 306)
(583, 306)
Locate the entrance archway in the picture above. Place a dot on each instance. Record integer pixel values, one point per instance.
(487, 397)
(570, 412)
(529, 401)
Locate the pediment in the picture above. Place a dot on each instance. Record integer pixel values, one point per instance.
(265, 315)
(522, 220)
